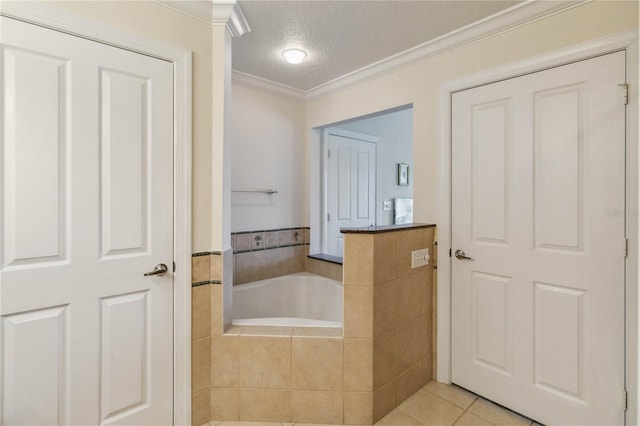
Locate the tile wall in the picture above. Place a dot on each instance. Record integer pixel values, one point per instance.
(272, 253)
(328, 376)
(390, 314)
(278, 374)
(269, 253)
(208, 272)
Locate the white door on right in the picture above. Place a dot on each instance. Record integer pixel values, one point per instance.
(538, 184)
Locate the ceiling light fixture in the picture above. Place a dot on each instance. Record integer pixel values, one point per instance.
(294, 56)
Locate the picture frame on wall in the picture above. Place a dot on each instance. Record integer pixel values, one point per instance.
(403, 174)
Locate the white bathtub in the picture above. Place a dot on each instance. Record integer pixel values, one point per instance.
(296, 300)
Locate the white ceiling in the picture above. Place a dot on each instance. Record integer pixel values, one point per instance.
(343, 36)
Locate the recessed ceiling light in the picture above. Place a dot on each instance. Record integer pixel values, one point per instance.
(294, 56)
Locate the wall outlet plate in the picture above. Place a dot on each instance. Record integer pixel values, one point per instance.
(386, 205)
(419, 258)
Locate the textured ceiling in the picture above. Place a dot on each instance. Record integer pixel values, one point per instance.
(343, 36)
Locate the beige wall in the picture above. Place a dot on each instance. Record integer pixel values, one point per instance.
(419, 83)
(154, 21)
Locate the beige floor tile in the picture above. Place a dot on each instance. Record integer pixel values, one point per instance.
(240, 423)
(454, 394)
(469, 419)
(431, 409)
(398, 418)
(497, 415)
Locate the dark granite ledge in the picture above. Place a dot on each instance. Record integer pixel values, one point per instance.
(326, 258)
(386, 228)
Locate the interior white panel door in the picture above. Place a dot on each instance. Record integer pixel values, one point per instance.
(538, 195)
(351, 188)
(86, 208)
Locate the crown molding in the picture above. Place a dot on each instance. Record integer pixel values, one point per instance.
(237, 23)
(492, 26)
(255, 82)
(214, 12)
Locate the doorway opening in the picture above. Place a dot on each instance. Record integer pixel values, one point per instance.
(355, 182)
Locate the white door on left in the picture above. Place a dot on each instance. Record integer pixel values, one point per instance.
(86, 208)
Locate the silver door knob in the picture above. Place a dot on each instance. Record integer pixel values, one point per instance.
(160, 269)
(462, 255)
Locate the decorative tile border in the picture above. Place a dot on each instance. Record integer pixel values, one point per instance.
(207, 253)
(199, 283)
(267, 239)
(206, 268)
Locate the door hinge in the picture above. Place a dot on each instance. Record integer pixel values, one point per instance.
(625, 92)
(626, 248)
(625, 397)
(328, 217)
(449, 252)
(174, 266)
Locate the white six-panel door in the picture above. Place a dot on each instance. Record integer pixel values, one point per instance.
(351, 187)
(86, 209)
(538, 201)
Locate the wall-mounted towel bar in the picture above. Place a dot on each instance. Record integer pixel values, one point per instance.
(259, 191)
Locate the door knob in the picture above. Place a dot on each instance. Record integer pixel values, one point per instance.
(462, 255)
(160, 269)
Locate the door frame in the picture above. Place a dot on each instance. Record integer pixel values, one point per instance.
(626, 41)
(326, 132)
(181, 58)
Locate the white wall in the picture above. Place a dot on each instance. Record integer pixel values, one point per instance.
(267, 151)
(395, 145)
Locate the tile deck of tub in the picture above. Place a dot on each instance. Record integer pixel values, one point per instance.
(435, 404)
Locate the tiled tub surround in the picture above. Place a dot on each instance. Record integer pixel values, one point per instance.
(279, 374)
(263, 254)
(209, 271)
(322, 268)
(389, 311)
(268, 253)
(316, 375)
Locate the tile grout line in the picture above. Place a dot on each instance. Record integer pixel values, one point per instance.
(404, 412)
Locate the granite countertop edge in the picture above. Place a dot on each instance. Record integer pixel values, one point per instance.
(386, 228)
